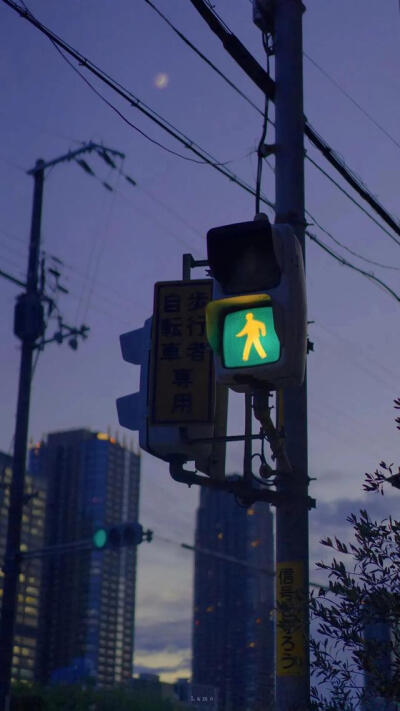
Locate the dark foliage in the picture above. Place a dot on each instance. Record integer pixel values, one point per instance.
(356, 659)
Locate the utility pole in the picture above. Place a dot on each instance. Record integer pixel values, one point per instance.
(29, 326)
(283, 19)
(292, 683)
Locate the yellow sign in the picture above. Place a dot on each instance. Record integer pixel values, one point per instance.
(290, 654)
(181, 368)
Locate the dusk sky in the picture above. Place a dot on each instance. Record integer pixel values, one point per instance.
(115, 245)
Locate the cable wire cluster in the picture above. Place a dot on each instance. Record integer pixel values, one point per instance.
(263, 80)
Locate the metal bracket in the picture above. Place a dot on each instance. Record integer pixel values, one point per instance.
(267, 149)
(188, 263)
(246, 494)
(205, 440)
(237, 487)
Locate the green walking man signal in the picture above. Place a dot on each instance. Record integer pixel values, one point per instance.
(256, 322)
(252, 330)
(256, 343)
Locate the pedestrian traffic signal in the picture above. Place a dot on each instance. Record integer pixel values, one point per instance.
(256, 324)
(118, 535)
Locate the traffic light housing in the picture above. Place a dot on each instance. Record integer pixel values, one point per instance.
(132, 409)
(129, 533)
(256, 323)
(175, 409)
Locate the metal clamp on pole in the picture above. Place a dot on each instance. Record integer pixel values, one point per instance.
(238, 487)
(262, 413)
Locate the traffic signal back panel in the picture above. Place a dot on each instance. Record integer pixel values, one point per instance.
(181, 365)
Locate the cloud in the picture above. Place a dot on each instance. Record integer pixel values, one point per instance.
(168, 664)
(171, 636)
(334, 513)
(179, 669)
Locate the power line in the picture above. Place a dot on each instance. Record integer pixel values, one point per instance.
(12, 278)
(349, 175)
(340, 244)
(223, 556)
(232, 44)
(204, 57)
(363, 354)
(120, 114)
(13, 249)
(260, 148)
(215, 68)
(260, 77)
(351, 98)
(14, 237)
(353, 200)
(346, 263)
(136, 102)
(351, 251)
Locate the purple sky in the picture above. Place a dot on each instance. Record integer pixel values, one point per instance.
(114, 246)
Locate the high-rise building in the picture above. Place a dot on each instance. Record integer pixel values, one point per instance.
(233, 638)
(88, 597)
(28, 592)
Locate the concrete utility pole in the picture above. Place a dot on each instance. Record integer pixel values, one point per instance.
(28, 326)
(292, 683)
(283, 19)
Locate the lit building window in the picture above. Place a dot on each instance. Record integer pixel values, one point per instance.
(255, 543)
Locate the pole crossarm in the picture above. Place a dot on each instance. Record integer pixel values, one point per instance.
(71, 155)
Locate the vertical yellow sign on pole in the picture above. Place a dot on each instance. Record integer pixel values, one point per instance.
(290, 656)
(181, 366)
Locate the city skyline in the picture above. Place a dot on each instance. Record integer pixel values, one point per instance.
(115, 245)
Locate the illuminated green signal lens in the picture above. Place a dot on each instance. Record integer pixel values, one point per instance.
(249, 338)
(100, 538)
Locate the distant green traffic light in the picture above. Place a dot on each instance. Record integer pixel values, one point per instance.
(100, 538)
(249, 338)
(117, 535)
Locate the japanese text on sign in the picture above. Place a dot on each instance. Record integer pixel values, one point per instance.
(182, 381)
(291, 657)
